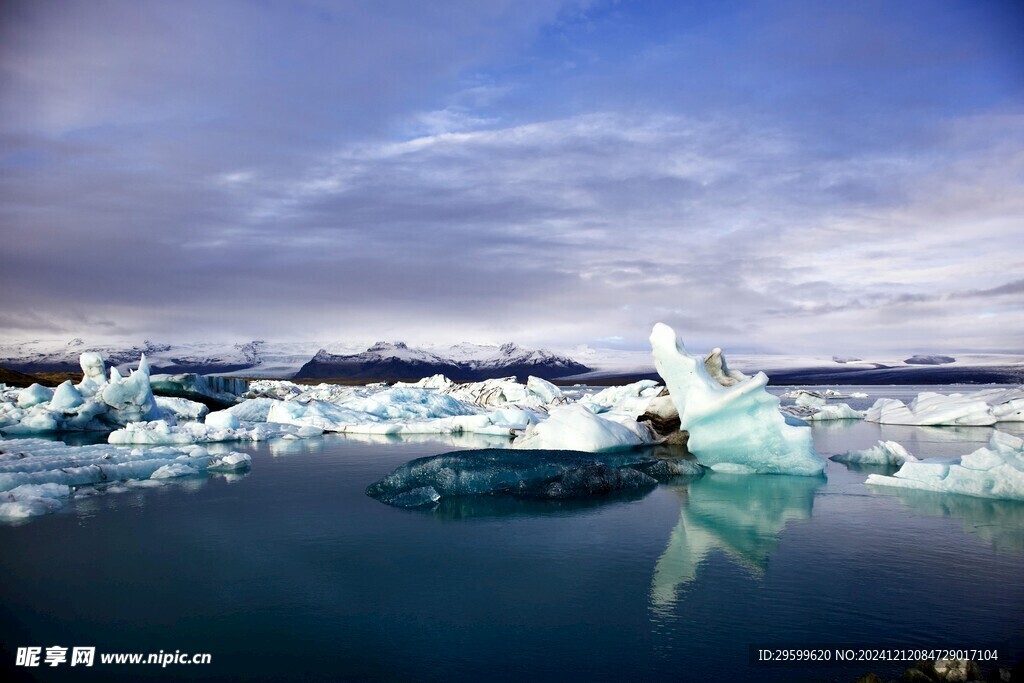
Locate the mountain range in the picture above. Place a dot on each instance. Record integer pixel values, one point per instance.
(381, 361)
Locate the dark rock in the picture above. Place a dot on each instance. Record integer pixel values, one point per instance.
(680, 438)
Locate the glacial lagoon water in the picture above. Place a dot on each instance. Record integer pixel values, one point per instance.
(291, 572)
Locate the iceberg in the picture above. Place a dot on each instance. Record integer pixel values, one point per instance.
(930, 408)
(996, 471)
(34, 395)
(549, 475)
(736, 428)
(630, 399)
(576, 428)
(981, 408)
(888, 453)
(212, 390)
(92, 404)
(30, 500)
(131, 399)
(174, 409)
(821, 413)
(37, 475)
(160, 432)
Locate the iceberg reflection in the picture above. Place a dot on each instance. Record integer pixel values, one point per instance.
(739, 515)
(998, 522)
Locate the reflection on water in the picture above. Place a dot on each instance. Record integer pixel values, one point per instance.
(999, 522)
(90, 500)
(499, 506)
(741, 516)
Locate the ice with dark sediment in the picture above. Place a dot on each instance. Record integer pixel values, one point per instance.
(542, 474)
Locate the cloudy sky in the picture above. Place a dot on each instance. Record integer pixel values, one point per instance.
(809, 177)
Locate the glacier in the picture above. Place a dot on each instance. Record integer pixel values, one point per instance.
(995, 471)
(542, 474)
(737, 428)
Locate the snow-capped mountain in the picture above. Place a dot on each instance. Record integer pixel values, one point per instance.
(254, 358)
(463, 362)
(302, 359)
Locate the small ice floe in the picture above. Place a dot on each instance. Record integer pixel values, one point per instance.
(986, 407)
(887, 453)
(996, 471)
(37, 475)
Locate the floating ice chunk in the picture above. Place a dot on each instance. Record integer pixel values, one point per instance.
(993, 472)
(222, 419)
(213, 389)
(739, 424)
(10, 414)
(1007, 405)
(630, 399)
(433, 382)
(66, 397)
(34, 395)
(811, 395)
(47, 468)
(576, 428)
(93, 373)
(230, 462)
(832, 411)
(30, 500)
(544, 390)
(180, 408)
(885, 453)
(131, 399)
(406, 404)
(174, 469)
(536, 474)
(320, 414)
(160, 432)
(932, 409)
(810, 399)
(494, 392)
(253, 409)
(36, 420)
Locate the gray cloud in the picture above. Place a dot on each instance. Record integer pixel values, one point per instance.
(355, 171)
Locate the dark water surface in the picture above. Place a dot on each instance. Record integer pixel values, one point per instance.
(292, 572)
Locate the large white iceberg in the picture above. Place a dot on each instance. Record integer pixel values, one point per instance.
(734, 428)
(576, 428)
(993, 472)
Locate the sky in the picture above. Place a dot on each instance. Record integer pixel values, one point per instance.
(773, 176)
